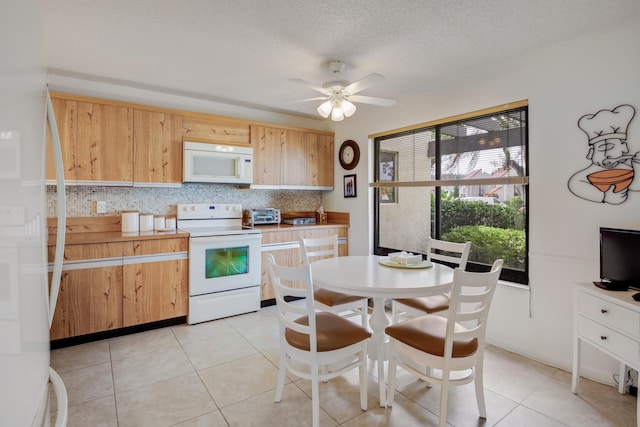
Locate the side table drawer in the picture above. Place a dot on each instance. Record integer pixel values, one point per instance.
(609, 340)
(602, 311)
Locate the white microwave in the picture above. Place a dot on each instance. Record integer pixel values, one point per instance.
(217, 163)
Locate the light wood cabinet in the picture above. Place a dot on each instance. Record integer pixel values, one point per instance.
(283, 245)
(113, 143)
(204, 128)
(319, 152)
(282, 256)
(90, 300)
(266, 143)
(90, 297)
(66, 119)
(104, 150)
(157, 147)
(108, 286)
(294, 159)
(289, 158)
(155, 290)
(154, 287)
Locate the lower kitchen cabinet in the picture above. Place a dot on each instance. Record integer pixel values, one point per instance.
(155, 290)
(90, 300)
(107, 286)
(283, 245)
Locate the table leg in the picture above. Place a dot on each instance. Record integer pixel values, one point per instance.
(378, 322)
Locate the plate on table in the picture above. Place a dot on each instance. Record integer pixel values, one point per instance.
(422, 264)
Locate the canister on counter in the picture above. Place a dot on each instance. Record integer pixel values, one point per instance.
(146, 222)
(130, 221)
(159, 223)
(170, 223)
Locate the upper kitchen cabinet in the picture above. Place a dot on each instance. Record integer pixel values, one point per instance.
(266, 143)
(104, 150)
(291, 158)
(319, 151)
(206, 128)
(157, 148)
(66, 118)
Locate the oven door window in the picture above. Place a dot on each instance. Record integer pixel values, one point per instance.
(221, 262)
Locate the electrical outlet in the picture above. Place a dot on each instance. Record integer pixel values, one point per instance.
(101, 206)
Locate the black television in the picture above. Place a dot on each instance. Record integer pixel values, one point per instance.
(619, 259)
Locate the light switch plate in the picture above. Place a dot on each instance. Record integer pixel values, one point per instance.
(101, 206)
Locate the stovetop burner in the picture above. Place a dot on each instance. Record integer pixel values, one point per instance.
(212, 219)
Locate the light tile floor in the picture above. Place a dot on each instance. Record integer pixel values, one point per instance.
(223, 373)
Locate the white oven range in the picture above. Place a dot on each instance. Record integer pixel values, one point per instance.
(224, 261)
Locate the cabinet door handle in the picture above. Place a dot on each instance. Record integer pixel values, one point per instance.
(603, 337)
(604, 311)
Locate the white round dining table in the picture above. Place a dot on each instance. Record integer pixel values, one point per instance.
(365, 276)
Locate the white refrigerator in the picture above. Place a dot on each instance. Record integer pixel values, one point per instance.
(25, 303)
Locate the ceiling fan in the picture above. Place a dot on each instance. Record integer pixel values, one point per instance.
(339, 95)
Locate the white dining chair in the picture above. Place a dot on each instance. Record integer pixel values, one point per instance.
(451, 253)
(449, 350)
(312, 249)
(310, 339)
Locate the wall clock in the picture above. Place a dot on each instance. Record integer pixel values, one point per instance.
(349, 154)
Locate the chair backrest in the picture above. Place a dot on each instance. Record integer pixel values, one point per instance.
(312, 249)
(293, 282)
(470, 300)
(449, 252)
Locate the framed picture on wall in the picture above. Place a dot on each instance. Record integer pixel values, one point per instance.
(350, 186)
(388, 171)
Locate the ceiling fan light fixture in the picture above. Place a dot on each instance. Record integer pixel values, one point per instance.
(337, 114)
(325, 108)
(348, 108)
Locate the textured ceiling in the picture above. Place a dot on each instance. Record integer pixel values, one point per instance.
(245, 52)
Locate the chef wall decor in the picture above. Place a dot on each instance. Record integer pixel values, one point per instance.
(614, 171)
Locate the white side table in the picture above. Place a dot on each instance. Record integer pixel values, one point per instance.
(609, 321)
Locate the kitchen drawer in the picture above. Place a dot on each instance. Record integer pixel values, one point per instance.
(89, 251)
(608, 313)
(610, 341)
(157, 246)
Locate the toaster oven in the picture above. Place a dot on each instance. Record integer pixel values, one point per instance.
(253, 217)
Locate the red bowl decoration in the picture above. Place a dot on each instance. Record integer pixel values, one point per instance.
(604, 179)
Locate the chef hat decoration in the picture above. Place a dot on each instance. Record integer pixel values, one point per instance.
(607, 124)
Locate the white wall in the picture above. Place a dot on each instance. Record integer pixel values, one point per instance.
(561, 84)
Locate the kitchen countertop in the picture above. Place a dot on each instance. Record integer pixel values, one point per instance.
(289, 227)
(86, 230)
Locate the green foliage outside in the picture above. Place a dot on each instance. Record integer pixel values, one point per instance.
(495, 231)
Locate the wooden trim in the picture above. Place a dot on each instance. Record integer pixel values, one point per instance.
(339, 218)
(517, 180)
(484, 111)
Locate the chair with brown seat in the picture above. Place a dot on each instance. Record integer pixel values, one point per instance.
(310, 339)
(451, 253)
(312, 249)
(442, 346)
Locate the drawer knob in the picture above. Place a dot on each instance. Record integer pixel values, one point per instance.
(604, 311)
(603, 337)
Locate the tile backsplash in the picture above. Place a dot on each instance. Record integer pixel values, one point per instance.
(81, 200)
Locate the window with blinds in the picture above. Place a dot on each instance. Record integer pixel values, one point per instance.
(458, 179)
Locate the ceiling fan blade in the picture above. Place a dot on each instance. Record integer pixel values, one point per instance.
(312, 86)
(364, 83)
(383, 102)
(317, 98)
